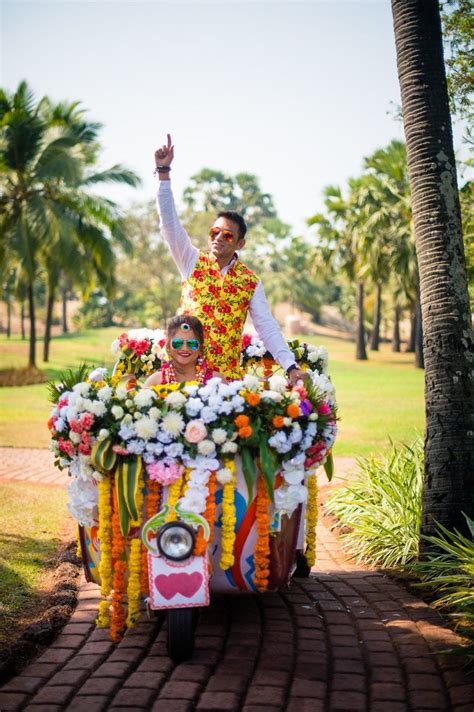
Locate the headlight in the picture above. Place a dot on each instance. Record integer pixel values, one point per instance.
(176, 541)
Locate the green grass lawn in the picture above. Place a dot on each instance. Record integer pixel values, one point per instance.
(33, 520)
(377, 399)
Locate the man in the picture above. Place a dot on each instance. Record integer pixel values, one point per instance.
(217, 287)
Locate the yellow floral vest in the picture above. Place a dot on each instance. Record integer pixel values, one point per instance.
(221, 302)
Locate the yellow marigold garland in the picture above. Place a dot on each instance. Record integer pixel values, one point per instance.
(228, 518)
(105, 536)
(120, 569)
(174, 493)
(210, 516)
(78, 542)
(311, 520)
(134, 563)
(262, 545)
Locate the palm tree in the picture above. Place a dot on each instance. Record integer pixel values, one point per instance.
(448, 339)
(338, 232)
(46, 156)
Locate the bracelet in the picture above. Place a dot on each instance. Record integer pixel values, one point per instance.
(161, 169)
(291, 368)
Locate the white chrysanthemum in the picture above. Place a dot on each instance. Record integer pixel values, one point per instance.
(175, 399)
(173, 423)
(273, 396)
(251, 382)
(127, 419)
(206, 447)
(154, 413)
(98, 408)
(224, 475)
(208, 415)
(229, 447)
(146, 428)
(81, 389)
(83, 498)
(103, 434)
(117, 411)
(128, 403)
(199, 478)
(191, 389)
(121, 393)
(278, 383)
(219, 436)
(324, 386)
(193, 406)
(288, 498)
(144, 397)
(104, 394)
(174, 450)
(59, 425)
(238, 403)
(74, 437)
(293, 477)
(193, 501)
(98, 374)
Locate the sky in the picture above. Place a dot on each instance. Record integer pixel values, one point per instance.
(294, 92)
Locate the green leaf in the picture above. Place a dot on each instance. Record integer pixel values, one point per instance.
(329, 467)
(249, 469)
(268, 464)
(124, 516)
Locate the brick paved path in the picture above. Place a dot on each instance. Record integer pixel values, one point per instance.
(345, 639)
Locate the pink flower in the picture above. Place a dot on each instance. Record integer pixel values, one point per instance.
(132, 344)
(123, 338)
(84, 449)
(62, 402)
(75, 426)
(86, 438)
(66, 446)
(324, 409)
(195, 431)
(165, 473)
(300, 389)
(86, 420)
(141, 347)
(119, 450)
(246, 340)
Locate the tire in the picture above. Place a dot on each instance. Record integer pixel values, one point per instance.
(181, 624)
(303, 569)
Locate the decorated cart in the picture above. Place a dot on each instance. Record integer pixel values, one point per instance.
(186, 489)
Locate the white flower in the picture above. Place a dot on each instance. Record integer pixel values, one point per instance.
(82, 389)
(127, 419)
(224, 475)
(273, 396)
(173, 423)
(219, 436)
(279, 442)
(144, 397)
(313, 416)
(117, 411)
(193, 406)
(238, 403)
(278, 383)
(121, 392)
(59, 425)
(74, 437)
(206, 447)
(129, 403)
(193, 501)
(251, 382)
(175, 399)
(229, 447)
(104, 394)
(174, 450)
(199, 478)
(126, 431)
(208, 414)
(103, 434)
(98, 374)
(83, 498)
(154, 413)
(191, 389)
(115, 348)
(146, 428)
(293, 477)
(138, 415)
(226, 408)
(98, 408)
(288, 498)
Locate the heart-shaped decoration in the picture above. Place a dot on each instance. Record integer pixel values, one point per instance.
(172, 584)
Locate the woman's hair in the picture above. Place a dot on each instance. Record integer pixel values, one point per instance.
(176, 322)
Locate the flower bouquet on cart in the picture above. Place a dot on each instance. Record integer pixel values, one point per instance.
(155, 472)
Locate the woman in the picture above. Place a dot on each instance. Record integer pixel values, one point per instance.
(184, 345)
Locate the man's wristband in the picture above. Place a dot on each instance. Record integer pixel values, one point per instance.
(291, 368)
(161, 169)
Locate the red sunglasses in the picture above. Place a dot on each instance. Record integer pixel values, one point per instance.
(227, 235)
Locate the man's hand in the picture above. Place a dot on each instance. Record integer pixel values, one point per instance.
(164, 155)
(296, 374)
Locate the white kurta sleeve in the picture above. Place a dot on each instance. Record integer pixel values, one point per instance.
(268, 329)
(184, 253)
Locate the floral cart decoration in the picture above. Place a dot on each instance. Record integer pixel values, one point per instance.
(137, 453)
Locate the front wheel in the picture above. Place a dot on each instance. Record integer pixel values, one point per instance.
(181, 623)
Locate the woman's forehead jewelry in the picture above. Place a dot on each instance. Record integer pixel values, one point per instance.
(185, 327)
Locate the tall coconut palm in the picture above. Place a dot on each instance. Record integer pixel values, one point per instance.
(448, 339)
(46, 153)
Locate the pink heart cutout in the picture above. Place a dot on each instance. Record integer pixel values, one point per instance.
(185, 584)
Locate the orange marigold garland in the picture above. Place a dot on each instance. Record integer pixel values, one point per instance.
(105, 537)
(120, 569)
(152, 505)
(262, 545)
(210, 516)
(311, 520)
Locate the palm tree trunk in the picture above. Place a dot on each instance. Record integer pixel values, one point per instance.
(49, 320)
(22, 320)
(31, 308)
(448, 339)
(64, 294)
(361, 353)
(9, 317)
(419, 357)
(412, 339)
(396, 330)
(375, 336)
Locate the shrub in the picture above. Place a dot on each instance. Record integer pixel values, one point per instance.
(382, 507)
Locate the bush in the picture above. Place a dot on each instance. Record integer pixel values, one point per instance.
(382, 507)
(449, 572)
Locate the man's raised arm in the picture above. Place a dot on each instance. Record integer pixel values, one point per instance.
(183, 251)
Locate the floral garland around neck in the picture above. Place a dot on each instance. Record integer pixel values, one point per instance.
(169, 374)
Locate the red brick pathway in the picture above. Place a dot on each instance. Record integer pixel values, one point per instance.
(345, 639)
